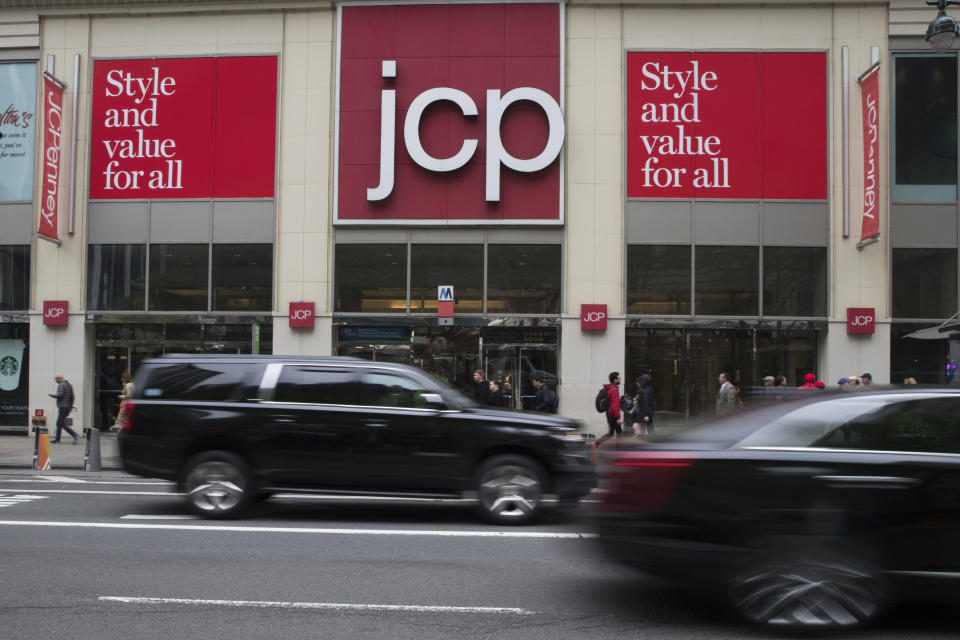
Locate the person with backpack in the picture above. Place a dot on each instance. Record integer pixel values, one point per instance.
(545, 400)
(608, 402)
(644, 405)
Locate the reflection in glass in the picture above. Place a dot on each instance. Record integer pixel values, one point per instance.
(432, 265)
(795, 281)
(116, 277)
(14, 277)
(523, 278)
(242, 277)
(178, 277)
(727, 281)
(925, 127)
(658, 279)
(370, 278)
(924, 283)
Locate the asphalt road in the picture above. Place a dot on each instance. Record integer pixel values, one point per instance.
(121, 558)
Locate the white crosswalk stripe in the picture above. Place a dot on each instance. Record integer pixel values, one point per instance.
(7, 500)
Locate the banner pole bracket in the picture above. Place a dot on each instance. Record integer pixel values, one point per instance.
(55, 241)
(867, 242)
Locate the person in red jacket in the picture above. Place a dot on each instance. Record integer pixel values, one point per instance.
(614, 419)
(809, 382)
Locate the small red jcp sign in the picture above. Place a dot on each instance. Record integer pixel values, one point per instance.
(301, 315)
(861, 320)
(593, 317)
(55, 312)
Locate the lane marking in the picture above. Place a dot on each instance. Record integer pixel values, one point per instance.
(329, 606)
(534, 535)
(138, 516)
(18, 498)
(61, 479)
(106, 492)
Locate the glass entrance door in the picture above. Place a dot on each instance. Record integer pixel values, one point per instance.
(514, 366)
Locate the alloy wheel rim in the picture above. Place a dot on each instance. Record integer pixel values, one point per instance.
(816, 594)
(510, 492)
(215, 486)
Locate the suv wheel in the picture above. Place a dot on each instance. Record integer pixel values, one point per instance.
(218, 484)
(794, 584)
(510, 489)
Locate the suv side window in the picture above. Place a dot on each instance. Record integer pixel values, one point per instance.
(383, 389)
(928, 425)
(316, 385)
(202, 381)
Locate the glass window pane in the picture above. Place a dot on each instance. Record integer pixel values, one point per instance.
(523, 278)
(795, 281)
(211, 382)
(116, 277)
(316, 386)
(925, 128)
(371, 278)
(15, 277)
(658, 279)
(389, 390)
(178, 277)
(460, 265)
(924, 283)
(727, 281)
(242, 277)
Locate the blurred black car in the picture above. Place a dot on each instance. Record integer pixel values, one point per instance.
(230, 429)
(810, 513)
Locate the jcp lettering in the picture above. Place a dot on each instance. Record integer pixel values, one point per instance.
(594, 316)
(861, 321)
(301, 314)
(54, 312)
(496, 155)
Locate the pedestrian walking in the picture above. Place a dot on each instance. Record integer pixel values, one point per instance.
(496, 394)
(726, 396)
(809, 381)
(644, 405)
(613, 414)
(481, 388)
(545, 400)
(65, 398)
(866, 379)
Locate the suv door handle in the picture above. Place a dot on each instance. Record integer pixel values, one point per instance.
(285, 419)
(376, 424)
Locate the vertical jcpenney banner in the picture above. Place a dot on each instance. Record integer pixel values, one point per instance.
(727, 125)
(18, 126)
(184, 128)
(870, 109)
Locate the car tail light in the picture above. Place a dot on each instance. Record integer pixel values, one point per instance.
(125, 417)
(644, 481)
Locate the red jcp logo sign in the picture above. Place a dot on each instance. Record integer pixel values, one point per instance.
(301, 314)
(861, 320)
(55, 312)
(593, 317)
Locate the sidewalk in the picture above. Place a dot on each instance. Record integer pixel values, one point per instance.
(16, 452)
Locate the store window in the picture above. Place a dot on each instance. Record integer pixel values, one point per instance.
(178, 277)
(795, 281)
(14, 277)
(924, 283)
(658, 279)
(727, 281)
(925, 127)
(116, 277)
(523, 278)
(432, 265)
(371, 278)
(242, 277)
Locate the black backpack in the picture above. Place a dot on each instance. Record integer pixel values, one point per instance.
(602, 401)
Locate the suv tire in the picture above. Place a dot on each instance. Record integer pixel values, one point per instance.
(510, 489)
(218, 484)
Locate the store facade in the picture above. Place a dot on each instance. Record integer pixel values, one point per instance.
(241, 169)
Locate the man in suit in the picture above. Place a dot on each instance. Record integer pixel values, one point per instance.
(727, 396)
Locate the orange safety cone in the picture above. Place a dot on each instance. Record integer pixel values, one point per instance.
(41, 459)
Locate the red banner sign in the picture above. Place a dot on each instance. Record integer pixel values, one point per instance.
(55, 312)
(449, 112)
(52, 138)
(870, 104)
(861, 320)
(184, 128)
(727, 125)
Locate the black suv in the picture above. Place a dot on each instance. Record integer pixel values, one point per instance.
(231, 429)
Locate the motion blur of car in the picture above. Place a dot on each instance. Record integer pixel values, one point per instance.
(817, 512)
(233, 429)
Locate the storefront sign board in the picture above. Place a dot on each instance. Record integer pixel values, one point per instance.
(593, 317)
(184, 128)
(18, 126)
(861, 320)
(302, 315)
(727, 125)
(449, 114)
(52, 149)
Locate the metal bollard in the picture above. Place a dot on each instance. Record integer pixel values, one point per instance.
(91, 449)
(37, 431)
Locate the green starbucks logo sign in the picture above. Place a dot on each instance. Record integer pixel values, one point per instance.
(8, 366)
